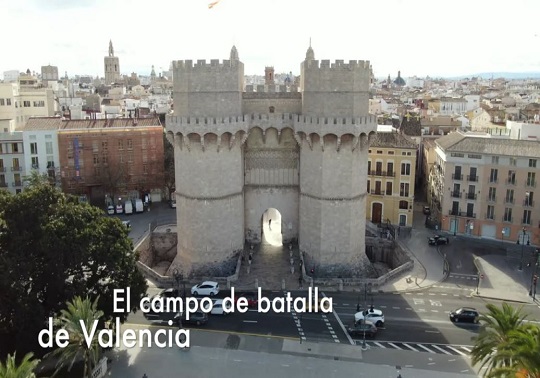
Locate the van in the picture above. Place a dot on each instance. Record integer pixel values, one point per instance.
(128, 207)
(139, 206)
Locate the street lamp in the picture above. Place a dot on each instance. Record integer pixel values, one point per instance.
(523, 246)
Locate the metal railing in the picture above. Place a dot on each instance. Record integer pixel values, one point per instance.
(382, 173)
(528, 203)
(456, 176)
(16, 169)
(456, 194)
(507, 219)
(16, 183)
(472, 178)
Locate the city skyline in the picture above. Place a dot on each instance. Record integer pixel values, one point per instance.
(410, 37)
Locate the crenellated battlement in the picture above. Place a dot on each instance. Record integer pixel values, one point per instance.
(297, 122)
(338, 64)
(202, 64)
(270, 88)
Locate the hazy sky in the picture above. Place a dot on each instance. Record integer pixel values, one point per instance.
(418, 37)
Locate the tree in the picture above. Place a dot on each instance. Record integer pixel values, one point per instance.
(168, 173)
(25, 369)
(53, 248)
(504, 343)
(70, 320)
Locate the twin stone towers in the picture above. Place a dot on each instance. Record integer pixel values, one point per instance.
(298, 154)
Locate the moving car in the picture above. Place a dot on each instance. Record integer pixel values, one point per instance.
(358, 328)
(206, 288)
(464, 314)
(438, 240)
(196, 318)
(219, 308)
(427, 210)
(251, 297)
(373, 315)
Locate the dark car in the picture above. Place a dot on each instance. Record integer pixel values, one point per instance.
(464, 314)
(358, 328)
(196, 318)
(427, 210)
(438, 240)
(251, 297)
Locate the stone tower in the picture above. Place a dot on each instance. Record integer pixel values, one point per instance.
(112, 67)
(269, 75)
(239, 154)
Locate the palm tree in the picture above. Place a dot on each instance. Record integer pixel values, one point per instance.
(24, 370)
(504, 342)
(79, 309)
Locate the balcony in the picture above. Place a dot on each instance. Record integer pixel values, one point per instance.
(530, 183)
(456, 176)
(17, 183)
(3, 185)
(456, 194)
(377, 192)
(467, 214)
(492, 198)
(452, 212)
(471, 196)
(16, 169)
(472, 178)
(382, 173)
(528, 203)
(511, 181)
(35, 166)
(509, 200)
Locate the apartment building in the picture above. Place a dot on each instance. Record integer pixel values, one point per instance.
(391, 178)
(120, 157)
(12, 161)
(485, 186)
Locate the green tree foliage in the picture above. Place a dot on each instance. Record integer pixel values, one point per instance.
(52, 249)
(70, 320)
(506, 345)
(25, 369)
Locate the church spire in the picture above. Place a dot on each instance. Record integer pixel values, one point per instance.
(310, 55)
(111, 50)
(234, 54)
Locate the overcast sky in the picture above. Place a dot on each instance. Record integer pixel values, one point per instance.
(418, 37)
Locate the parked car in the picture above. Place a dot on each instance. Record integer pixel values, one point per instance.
(358, 328)
(251, 297)
(172, 204)
(219, 308)
(196, 318)
(207, 288)
(119, 208)
(464, 314)
(438, 240)
(110, 210)
(427, 210)
(373, 315)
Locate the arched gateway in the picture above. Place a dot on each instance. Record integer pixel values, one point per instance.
(235, 161)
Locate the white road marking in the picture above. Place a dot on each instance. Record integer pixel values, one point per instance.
(434, 310)
(396, 308)
(457, 351)
(442, 350)
(418, 301)
(429, 331)
(467, 349)
(395, 346)
(464, 371)
(382, 306)
(408, 308)
(379, 344)
(346, 304)
(410, 347)
(431, 363)
(250, 321)
(237, 360)
(423, 347)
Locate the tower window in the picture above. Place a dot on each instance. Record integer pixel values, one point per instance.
(271, 109)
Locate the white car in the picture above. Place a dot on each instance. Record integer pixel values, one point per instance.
(373, 315)
(206, 288)
(219, 309)
(110, 210)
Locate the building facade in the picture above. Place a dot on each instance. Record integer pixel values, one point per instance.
(245, 157)
(12, 161)
(112, 67)
(486, 186)
(49, 73)
(391, 179)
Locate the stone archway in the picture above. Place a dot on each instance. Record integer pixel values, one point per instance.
(271, 227)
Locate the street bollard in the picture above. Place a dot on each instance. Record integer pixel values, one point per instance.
(292, 269)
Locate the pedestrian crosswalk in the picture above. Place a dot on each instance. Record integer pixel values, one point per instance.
(451, 350)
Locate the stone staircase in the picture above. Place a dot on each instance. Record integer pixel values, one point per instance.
(270, 265)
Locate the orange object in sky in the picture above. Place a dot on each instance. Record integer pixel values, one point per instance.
(211, 5)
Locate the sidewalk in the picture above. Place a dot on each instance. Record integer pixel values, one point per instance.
(220, 354)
